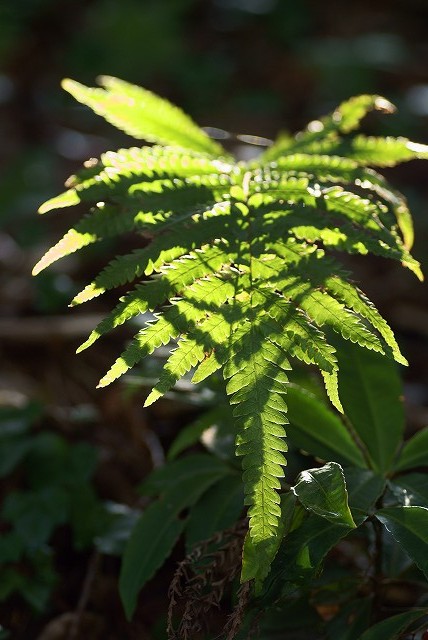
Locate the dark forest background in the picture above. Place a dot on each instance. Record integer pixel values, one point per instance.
(248, 66)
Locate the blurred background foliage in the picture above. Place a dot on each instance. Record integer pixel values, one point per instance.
(248, 66)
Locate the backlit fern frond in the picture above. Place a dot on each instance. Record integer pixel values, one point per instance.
(235, 259)
(142, 114)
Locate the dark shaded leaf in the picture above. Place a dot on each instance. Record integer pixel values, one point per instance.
(364, 489)
(393, 627)
(316, 429)
(414, 453)
(370, 390)
(409, 526)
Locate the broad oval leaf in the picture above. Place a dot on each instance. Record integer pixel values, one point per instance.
(301, 555)
(411, 489)
(151, 542)
(181, 484)
(211, 427)
(371, 393)
(220, 508)
(414, 452)
(364, 489)
(323, 491)
(409, 526)
(393, 627)
(184, 472)
(316, 429)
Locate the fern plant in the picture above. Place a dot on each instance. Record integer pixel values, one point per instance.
(239, 261)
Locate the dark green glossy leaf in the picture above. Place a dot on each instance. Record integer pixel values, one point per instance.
(219, 509)
(151, 542)
(181, 484)
(393, 627)
(323, 491)
(188, 469)
(316, 429)
(364, 489)
(311, 538)
(409, 526)
(301, 554)
(189, 435)
(119, 521)
(214, 430)
(370, 390)
(411, 489)
(414, 453)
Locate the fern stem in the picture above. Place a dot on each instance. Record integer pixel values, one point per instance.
(350, 429)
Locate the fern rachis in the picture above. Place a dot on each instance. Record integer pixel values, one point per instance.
(238, 271)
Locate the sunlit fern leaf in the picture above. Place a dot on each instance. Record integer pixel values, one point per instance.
(385, 152)
(150, 294)
(331, 384)
(255, 371)
(324, 133)
(340, 233)
(118, 171)
(236, 261)
(300, 338)
(358, 302)
(191, 350)
(187, 236)
(142, 114)
(201, 298)
(151, 212)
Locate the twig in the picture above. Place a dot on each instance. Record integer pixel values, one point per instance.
(84, 596)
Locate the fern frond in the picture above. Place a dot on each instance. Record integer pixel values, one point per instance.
(331, 384)
(333, 229)
(293, 331)
(236, 265)
(142, 114)
(153, 212)
(170, 283)
(359, 303)
(300, 284)
(118, 171)
(191, 350)
(322, 135)
(255, 371)
(385, 152)
(187, 236)
(323, 309)
(201, 298)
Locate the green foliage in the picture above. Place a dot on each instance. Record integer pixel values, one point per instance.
(393, 627)
(180, 485)
(323, 492)
(56, 491)
(398, 502)
(238, 265)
